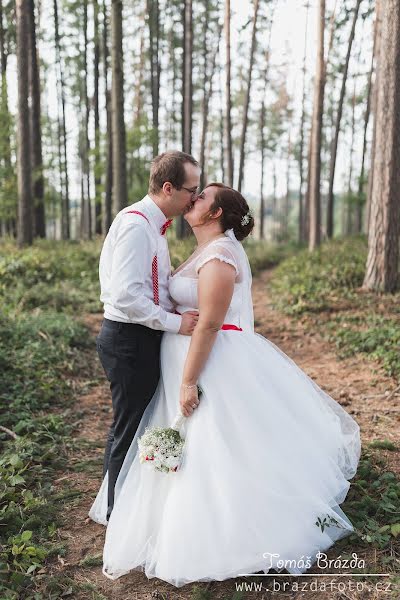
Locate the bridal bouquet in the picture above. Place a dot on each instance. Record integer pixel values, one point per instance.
(162, 447)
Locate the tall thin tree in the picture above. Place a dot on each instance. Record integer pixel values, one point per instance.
(221, 120)
(361, 179)
(107, 205)
(265, 76)
(155, 67)
(97, 162)
(382, 270)
(316, 138)
(377, 46)
(349, 205)
(208, 77)
(187, 112)
(301, 224)
(330, 207)
(36, 131)
(65, 216)
(247, 97)
(120, 194)
(86, 209)
(8, 225)
(25, 230)
(228, 101)
(187, 96)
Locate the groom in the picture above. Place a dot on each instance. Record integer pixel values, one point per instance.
(134, 270)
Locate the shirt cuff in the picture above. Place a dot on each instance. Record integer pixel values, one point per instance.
(173, 323)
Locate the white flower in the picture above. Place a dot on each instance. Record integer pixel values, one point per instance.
(246, 219)
(161, 449)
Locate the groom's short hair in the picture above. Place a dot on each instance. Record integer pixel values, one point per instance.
(169, 166)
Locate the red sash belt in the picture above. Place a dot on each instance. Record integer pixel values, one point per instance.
(225, 326)
(229, 326)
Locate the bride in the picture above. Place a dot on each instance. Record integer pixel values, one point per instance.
(267, 452)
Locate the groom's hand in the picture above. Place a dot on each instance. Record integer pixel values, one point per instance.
(189, 322)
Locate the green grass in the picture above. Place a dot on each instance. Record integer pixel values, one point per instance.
(315, 282)
(324, 286)
(56, 276)
(43, 348)
(372, 504)
(63, 276)
(374, 336)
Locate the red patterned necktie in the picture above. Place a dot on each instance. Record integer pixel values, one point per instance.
(164, 228)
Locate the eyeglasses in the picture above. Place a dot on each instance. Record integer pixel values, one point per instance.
(192, 192)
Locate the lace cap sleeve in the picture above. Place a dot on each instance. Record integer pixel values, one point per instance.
(218, 252)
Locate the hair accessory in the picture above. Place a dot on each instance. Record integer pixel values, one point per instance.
(246, 218)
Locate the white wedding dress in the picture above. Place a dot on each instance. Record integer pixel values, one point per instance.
(267, 452)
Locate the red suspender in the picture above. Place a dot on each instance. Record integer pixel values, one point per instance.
(154, 264)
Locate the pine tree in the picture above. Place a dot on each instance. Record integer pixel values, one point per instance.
(382, 271)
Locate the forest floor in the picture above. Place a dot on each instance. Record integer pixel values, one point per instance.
(356, 383)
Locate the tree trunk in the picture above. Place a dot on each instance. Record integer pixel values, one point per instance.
(138, 107)
(382, 270)
(107, 207)
(301, 236)
(3, 64)
(97, 162)
(208, 77)
(330, 207)
(332, 27)
(377, 45)
(36, 132)
(287, 197)
(307, 196)
(221, 125)
(187, 78)
(228, 120)
(205, 93)
(65, 217)
(86, 210)
(262, 123)
(262, 143)
(316, 139)
(183, 229)
(361, 182)
(247, 97)
(25, 213)
(5, 126)
(155, 67)
(274, 201)
(107, 197)
(9, 223)
(349, 207)
(59, 140)
(120, 195)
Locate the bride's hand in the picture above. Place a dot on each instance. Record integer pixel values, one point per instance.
(189, 399)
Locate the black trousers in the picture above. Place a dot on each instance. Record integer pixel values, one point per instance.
(130, 355)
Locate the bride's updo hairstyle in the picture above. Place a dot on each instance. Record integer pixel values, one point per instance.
(234, 210)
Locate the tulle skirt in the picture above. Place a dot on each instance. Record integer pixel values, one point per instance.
(267, 452)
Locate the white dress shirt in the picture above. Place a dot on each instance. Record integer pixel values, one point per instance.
(126, 269)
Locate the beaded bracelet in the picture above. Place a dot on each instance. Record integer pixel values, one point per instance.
(194, 385)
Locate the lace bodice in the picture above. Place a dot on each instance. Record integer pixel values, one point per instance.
(183, 283)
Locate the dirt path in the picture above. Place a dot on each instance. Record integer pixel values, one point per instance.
(358, 385)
